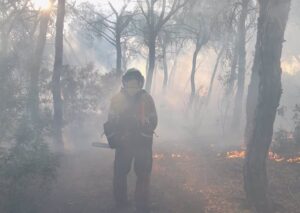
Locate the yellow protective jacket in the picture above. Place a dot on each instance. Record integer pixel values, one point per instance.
(133, 115)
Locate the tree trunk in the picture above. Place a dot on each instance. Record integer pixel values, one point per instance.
(124, 60)
(193, 72)
(272, 21)
(166, 72)
(154, 82)
(58, 66)
(252, 98)
(232, 74)
(119, 53)
(238, 105)
(34, 69)
(173, 73)
(211, 84)
(151, 65)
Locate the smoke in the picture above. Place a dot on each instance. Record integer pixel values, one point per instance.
(291, 65)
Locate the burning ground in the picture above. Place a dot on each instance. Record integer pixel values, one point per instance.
(191, 175)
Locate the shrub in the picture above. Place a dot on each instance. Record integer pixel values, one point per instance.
(27, 169)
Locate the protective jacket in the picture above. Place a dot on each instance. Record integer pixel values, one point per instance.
(131, 119)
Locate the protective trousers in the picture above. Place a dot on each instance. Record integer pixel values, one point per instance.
(141, 154)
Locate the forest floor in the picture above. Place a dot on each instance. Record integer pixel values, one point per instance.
(190, 175)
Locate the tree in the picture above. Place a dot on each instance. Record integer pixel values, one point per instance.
(168, 39)
(212, 79)
(178, 46)
(35, 66)
(241, 45)
(273, 16)
(57, 70)
(156, 16)
(197, 28)
(164, 40)
(224, 32)
(200, 41)
(18, 22)
(240, 24)
(113, 30)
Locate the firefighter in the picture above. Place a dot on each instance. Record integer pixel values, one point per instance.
(132, 120)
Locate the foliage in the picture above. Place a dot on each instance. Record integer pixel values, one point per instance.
(26, 171)
(86, 91)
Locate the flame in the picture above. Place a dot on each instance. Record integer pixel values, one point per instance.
(272, 156)
(236, 154)
(294, 160)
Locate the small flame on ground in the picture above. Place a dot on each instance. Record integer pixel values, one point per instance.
(272, 156)
(294, 160)
(236, 154)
